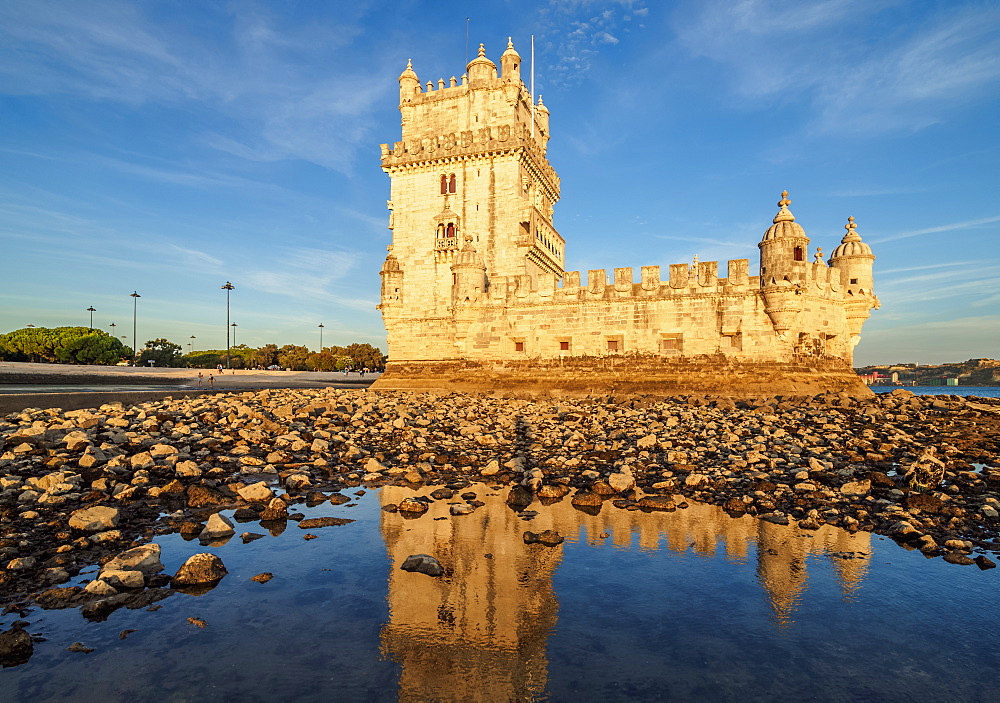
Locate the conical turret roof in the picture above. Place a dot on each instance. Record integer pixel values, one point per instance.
(851, 244)
(784, 222)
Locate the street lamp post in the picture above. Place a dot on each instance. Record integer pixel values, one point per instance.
(134, 295)
(190, 344)
(92, 310)
(228, 287)
(113, 325)
(234, 333)
(321, 338)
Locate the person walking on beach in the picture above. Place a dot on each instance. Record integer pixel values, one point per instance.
(201, 379)
(211, 380)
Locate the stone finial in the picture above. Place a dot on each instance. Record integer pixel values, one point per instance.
(482, 50)
(818, 256)
(851, 235)
(784, 214)
(510, 42)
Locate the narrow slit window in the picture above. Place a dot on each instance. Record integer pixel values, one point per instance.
(451, 183)
(444, 184)
(450, 232)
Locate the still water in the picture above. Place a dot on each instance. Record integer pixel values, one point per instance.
(981, 391)
(632, 606)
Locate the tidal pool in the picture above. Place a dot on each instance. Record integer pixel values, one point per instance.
(632, 606)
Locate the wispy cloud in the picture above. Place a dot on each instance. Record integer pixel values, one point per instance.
(592, 24)
(952, 227)
(820, 51)
(118, 51)
(308, 274)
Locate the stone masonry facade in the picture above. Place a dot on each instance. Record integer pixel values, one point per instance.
(475, 270)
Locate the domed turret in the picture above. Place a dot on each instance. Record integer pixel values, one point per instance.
(409, 84)
(481, 68)
(783, 247)
(854, 259)
(510, 63)
(392, 280)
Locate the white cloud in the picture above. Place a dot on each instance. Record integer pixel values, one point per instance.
(819, 51)
(952, 227)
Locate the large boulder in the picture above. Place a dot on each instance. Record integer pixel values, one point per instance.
(145, 558)
(95, 519)
(16, 646)
(198, 570)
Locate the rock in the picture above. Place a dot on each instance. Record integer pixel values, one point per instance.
(735, 505)
(519, 496)
(316, 522)
(646, 442)
(587, 498)
(16, 647)
(249, 537)
(777, 518)
(665, 503)
(197, 622)
(21, 564)
(60, 598)
(262, 578)
(984, 562)
(422, 563)
(856, 487)
(621, 481)
(442, 493)
(201, 496)
(161, 450)
(297, 482)
(97, 587)
(199, 569)
(119, 579)
(491, 469)
(142, 460)
(187, 469)
(217, 527)
(926, 472)
(79, 647)
(923, 502)
(56, 574)
(277, 509)
(412, 506)
(550, 538)
(552, 491)
(694, 479)
(256, 493)
(461, 509)
(94, 519)
(809, 524)
(145, 558)
(532, 480)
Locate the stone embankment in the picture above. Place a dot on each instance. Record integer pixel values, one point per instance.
(80, 487)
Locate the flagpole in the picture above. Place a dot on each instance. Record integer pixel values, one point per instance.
(532, 86)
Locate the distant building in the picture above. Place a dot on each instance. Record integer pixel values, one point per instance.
(475, 272)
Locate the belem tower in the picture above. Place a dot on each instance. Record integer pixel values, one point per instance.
(474, 293)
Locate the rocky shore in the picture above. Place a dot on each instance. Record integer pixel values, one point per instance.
(84, 487)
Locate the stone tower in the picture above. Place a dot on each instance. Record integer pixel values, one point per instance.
(469, 177)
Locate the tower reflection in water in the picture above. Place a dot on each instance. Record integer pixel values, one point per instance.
(479, 632)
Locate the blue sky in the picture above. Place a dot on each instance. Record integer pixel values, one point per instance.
(168, 146)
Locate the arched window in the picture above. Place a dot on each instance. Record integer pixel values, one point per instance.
(440, 232)
(451, 184)
(798, 254)
(444, 184)
(451, 230)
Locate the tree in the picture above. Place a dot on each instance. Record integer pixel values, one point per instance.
(365, 356)
(266, 356)
(95, 348)
(163, 352)
(75, 345)
(293, 357)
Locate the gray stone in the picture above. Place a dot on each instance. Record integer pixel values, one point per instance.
(256, 492)
(120, 578)
(199, 569)
(217, 527)
(422, 563)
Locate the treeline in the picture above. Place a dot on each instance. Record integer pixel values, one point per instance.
(82, 345)
(63, 345)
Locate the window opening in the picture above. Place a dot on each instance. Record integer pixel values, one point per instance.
(798, 254)
(451, 183)
(519, 346)
(444, 184)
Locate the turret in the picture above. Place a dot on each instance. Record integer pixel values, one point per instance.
(481, 68)
(783, 248)
(468, 274)
(853, 259)
(392, 280)
(510, 63)
(409, 84)
(542, 119)
(782, 267)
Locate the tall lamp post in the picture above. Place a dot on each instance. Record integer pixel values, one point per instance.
(228, 287)
(321, 338)
(190, 344)
(135, 305)
(92, 310)
(113, 325)
(234, 333)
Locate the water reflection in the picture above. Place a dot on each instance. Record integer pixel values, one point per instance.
(489, 617)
